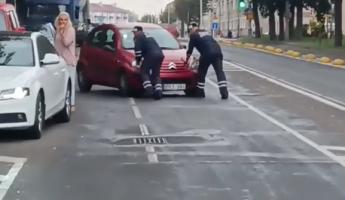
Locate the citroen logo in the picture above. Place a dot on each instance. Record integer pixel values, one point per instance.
(172, 66)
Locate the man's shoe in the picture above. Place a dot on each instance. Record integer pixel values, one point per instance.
(224, 93)
(200, 93)
(157, 95)
(148, 92)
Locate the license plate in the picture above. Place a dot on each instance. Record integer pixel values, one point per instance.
(174, 86)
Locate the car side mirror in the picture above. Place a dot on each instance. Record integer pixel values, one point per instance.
(50, 59)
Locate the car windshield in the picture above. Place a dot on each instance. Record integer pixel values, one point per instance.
(2, 22)
(164, 39)
(16, 51)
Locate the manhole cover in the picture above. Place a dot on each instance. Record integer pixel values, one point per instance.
(160, 140)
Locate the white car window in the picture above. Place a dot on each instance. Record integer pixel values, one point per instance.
(16, 51)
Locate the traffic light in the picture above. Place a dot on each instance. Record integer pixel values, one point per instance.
(242, 5)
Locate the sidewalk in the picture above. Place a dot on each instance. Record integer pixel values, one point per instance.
(307, 50)
(305, 47)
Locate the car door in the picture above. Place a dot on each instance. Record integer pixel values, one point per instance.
(53, 76)
(102, 52)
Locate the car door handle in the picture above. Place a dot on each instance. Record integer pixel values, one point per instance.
(56, 73)
(63, 70)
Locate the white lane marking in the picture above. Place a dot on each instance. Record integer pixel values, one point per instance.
(285, 127)
(152, 156)
(136, 111)
(293, 87)
(334, 148)
(132, 101)
(2, 178)
(8, 179)
(144, 130)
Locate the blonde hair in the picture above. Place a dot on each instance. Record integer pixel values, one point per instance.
(65, 14)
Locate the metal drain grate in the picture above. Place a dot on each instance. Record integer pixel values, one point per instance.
(150, 140)
(160, 140)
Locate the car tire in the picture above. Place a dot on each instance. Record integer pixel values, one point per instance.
(125, 89)
(36, 130)
(190, 92)
(65, 114)
(84, 84)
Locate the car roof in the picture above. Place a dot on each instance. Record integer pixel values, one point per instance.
(130, 25)
(16, 34)
(6, 7)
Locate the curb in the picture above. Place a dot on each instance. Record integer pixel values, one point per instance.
(336, 63)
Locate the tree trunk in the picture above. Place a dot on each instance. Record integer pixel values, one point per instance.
(182, 29)
(256, 19)
(292, 23)
(272, 26)
(299, 24)
(338, 23)
(281, 27)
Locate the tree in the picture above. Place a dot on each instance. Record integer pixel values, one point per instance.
(268, 9)
(338, 23)
(164, 16)
(280, 4)
(149, 19)
(185, 10)
(256, 18)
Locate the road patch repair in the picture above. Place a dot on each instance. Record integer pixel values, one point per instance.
(337, 63)
(9, 169)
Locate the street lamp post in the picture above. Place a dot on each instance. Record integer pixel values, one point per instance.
(201, 14)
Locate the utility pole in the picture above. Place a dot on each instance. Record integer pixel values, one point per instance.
(168, 13)
(201, 25)
(287, 19)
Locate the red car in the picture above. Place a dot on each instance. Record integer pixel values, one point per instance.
(9, 19)
(107, 58)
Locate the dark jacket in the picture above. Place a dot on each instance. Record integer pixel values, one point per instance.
(146, 47)
(206, 45)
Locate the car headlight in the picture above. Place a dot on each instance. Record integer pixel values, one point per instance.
(193, 62)
(16, 93)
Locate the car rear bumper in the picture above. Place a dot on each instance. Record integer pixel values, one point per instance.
(17, 113)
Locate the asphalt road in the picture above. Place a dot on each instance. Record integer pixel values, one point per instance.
(265, 143)
(319, 78)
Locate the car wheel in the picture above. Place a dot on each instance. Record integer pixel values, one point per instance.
(65, 114)
(190, 92)
(125, 89)
(84, 84)
(36, 130)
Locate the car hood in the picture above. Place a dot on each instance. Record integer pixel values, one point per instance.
(11, 77)
(171, 55)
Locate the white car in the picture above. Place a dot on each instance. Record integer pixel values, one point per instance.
(34, 83)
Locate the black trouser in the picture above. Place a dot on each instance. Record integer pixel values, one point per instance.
(217, 62)
(150, 72)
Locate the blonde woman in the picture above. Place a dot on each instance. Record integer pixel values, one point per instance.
(65, 44)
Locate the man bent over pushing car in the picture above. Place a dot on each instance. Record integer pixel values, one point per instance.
(147, 48)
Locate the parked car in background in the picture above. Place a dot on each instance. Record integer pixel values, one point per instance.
(48, 31)
(9, 19)
(83, 30)
(34, 83)
(107, 58)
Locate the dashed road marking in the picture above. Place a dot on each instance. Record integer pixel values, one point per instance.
(284, 127)
(7, 180)
(136, 111)
(152, 155)
(334, 148)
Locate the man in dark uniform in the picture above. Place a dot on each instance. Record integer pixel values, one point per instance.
(211, 53)
(147, 48)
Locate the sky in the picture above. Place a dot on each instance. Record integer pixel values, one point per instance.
(140, 7)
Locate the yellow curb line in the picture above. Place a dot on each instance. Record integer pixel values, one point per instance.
(284, 55)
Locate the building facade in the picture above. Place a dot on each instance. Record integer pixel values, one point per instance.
(226, 15)
(108, 14)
